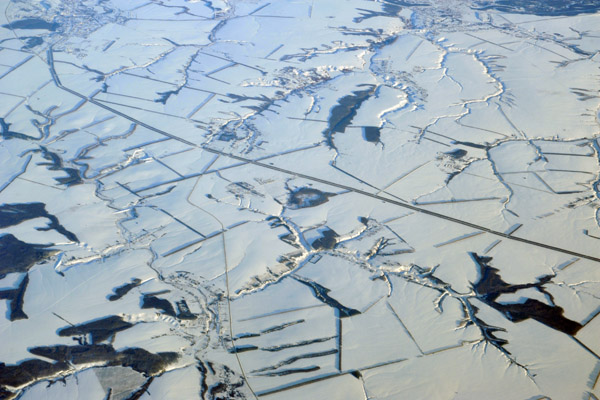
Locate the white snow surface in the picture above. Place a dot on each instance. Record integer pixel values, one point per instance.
(345, 199)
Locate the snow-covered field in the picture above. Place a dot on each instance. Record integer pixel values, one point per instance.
(342, 199)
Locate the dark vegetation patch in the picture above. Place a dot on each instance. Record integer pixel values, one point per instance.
(99, 330)
(490, 286)
(18, 256)
(122, 290)
(15, 298)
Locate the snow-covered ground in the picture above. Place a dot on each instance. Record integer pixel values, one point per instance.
(344, 199)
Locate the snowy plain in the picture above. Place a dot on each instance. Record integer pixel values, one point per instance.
(345, 199)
